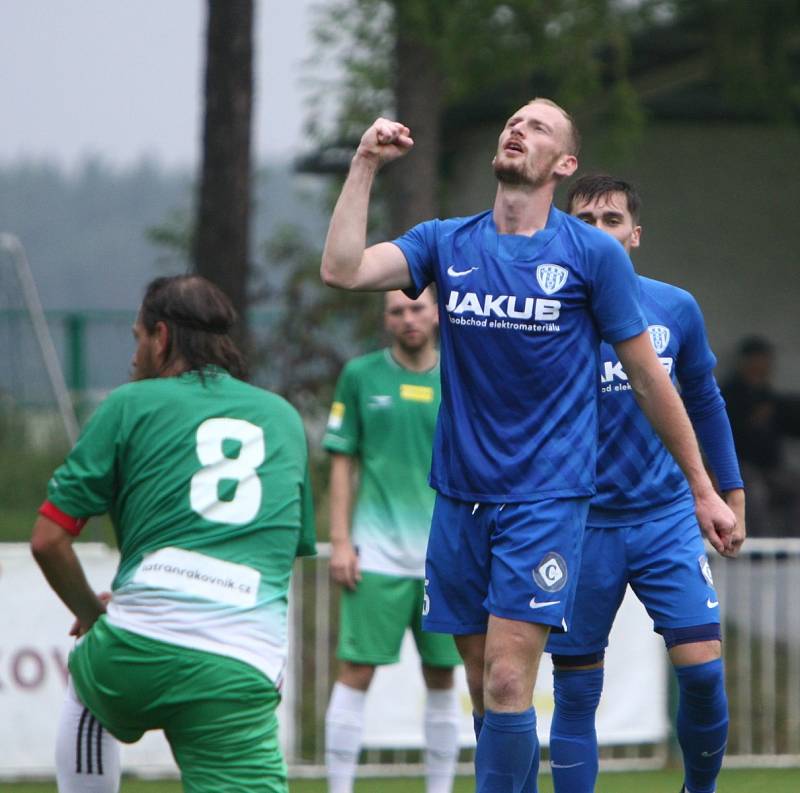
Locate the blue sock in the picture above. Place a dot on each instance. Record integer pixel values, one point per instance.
(507, 751)
(530, 784)
(573, 738)
(702, 723)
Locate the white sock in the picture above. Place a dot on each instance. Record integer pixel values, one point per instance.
(441, 740)
(344, 725)
(87, 757)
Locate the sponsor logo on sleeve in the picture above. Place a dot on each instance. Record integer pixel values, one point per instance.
(336, 416)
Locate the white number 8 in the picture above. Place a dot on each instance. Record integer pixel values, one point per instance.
(204, 491)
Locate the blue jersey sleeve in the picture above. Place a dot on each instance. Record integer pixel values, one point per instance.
(706, 409)
(695, 357)
(615, 293)
(419, 247)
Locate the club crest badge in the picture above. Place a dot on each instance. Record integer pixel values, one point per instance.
(659, 335)
(551, 277)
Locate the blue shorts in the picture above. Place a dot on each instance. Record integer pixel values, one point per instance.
(665, 563)
(517, 561)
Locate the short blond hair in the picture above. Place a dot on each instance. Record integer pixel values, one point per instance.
(574, 136)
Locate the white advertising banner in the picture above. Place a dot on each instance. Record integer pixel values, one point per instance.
(35, 645)
(34, 648)
(633, 709)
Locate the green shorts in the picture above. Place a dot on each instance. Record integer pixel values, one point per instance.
(217, 713)
(374, 619)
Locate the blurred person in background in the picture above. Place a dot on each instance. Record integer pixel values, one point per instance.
(762, 419)
(205, 478)
(380, 436)
(642, 529)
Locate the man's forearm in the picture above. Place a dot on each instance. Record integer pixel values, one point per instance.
(64, 573)
(664, 408)
(347, 233)
(341, 499)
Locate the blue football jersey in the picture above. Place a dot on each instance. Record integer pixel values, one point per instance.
(521, 318)
(637, 478)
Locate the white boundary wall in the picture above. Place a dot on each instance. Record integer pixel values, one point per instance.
(762, 657)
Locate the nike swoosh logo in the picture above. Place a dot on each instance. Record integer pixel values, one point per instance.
(459, 273)
(711, 754)
(534, 605)
(565, 765)
(712, 604)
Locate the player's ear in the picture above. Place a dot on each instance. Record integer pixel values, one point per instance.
(636, 236)
(566, 166)
(161, 339)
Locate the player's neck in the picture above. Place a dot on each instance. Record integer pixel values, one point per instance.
(175, 368)
(421, 360)
(521, 209)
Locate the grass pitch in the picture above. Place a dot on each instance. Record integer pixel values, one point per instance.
(733, 781)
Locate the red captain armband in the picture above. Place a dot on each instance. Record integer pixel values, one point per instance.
(70, 525)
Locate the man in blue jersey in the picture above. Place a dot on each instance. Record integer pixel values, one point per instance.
(642, 529)
(525, 295)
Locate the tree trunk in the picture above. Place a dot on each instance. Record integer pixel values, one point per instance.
(221, 238)
(413, 182)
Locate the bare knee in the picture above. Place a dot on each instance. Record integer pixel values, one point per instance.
(694, 653)
(438, 678)
(357, 676)
(506, 685)
(513, 650)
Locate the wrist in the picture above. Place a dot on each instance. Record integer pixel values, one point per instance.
(365, 162)
(702, 487)
(735, 496)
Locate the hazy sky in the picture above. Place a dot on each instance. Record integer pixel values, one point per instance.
(122, 78)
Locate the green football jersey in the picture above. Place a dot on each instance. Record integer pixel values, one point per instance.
(206, 482)
(385, 416)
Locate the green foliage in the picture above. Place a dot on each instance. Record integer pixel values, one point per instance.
(750, 47)
(173, 237)
(25, 468)
(487, 51)
(312, 329)
(302, 331)
(84, 228)
(578, 52)
(355, 40)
